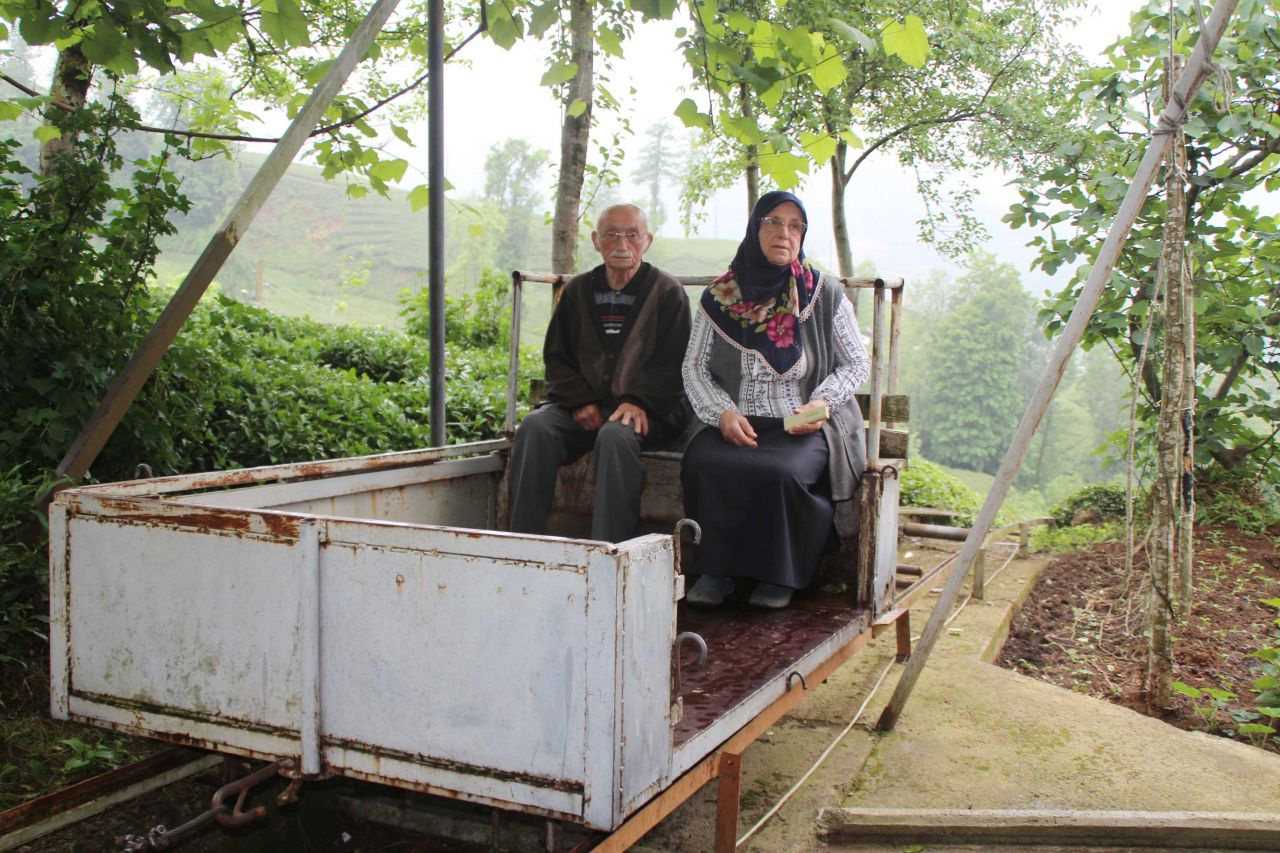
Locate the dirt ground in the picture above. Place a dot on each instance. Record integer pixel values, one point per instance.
(1083, 628)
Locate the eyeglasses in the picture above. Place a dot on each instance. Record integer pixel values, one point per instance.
(629, 236)
(773, 223)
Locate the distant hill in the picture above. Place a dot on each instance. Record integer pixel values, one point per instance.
(335, 258)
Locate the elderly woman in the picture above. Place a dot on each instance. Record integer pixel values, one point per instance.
(772, 337)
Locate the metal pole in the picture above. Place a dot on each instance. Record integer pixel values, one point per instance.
(435, 214)
(130, 380)
(1170, 118)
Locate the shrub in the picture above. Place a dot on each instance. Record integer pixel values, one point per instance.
(1062, 540)
(476, 320)
(925, 484)
(1103, 501)
(24, 569)
(1240, 502)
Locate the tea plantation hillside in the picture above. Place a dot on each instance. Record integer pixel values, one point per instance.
(336, 258)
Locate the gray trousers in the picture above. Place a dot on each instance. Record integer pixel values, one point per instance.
(548, 438)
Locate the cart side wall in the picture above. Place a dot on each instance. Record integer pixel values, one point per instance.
(522, 671)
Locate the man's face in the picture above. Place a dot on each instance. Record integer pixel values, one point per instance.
(622, 239)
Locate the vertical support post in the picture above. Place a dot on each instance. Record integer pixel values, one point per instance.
(895, 335)
(513, 355)
(877, 379)
(309, 621)
(1024, 538)
(902, 633)
(435, 214)
(727, 802)
(980, 575)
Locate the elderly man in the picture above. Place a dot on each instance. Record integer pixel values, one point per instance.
(613, 354)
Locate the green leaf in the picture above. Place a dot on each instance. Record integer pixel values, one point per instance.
(829, 72)
(400, 133)
(46, 132)
(543, 17)
(504, 29)
(687, 112)
(1185, 689)
(1255, 729)
(742, 128)
(609, 41)
(906, 40)
(784, 169)
(10, 110)
(290, 24)
(651, 9)
(389, 170)
(559, 72)
(37, 29)
(317, 72)
(419, 197)
(577, 108)
(762, 40)
(357, 190)
(821, 146)
(850, 138)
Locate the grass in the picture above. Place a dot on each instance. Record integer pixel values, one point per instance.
(39, 755)
(343, 260)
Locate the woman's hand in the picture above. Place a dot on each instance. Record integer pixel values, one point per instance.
(805, 429)
(736, 429)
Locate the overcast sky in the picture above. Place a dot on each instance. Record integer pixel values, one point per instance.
(498, 96)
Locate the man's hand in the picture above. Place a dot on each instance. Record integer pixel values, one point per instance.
(805, 429)
(736, 429)
(633, 416)
(588, 417)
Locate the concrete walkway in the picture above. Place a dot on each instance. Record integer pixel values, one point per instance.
(973, 736)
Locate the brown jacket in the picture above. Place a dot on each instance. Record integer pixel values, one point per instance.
(642, 368)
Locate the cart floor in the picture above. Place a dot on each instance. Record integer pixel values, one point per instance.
(746, 649)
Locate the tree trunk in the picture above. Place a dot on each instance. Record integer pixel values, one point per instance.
(840, 222)
(753, 152)
(1162, 601)
(575, 133)
(71, 79)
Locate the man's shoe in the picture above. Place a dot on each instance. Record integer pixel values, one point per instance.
(771, 596)
(709, 591)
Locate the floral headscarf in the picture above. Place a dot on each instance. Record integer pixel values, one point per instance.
(758, 304)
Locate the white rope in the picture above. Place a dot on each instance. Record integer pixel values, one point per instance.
(826, 753)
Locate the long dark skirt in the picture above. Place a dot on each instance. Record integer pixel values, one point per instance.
(765, 511)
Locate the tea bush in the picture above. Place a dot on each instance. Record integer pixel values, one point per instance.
(925, 484)
(1105, 501)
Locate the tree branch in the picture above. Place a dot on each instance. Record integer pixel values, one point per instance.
(231, 137)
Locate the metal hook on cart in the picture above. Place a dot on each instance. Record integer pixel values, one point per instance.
(796, 674)
(681, 526)
(237, 816)
(142, 471)
(702, 652)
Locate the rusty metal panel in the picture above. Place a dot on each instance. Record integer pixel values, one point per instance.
(522, 671)
(197, 626)
(322, 492)
(468, 662)
(649, 623)
(59, 626)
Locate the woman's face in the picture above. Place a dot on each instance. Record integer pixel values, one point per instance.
(781, 233)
